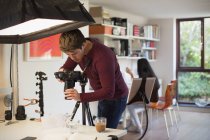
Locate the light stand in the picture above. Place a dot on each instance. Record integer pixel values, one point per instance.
(14, 85)
(41, 77)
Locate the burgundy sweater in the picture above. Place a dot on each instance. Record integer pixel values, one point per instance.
(103, 73)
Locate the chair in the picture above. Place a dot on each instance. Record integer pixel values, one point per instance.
(163, 106)
(173, 94)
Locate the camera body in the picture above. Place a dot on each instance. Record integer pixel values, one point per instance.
(70, 77)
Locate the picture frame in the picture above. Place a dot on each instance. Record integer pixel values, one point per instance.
(45, 49)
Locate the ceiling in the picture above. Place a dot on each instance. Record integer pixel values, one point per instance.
(159, 8)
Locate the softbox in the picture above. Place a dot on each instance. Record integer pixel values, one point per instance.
(60, 15)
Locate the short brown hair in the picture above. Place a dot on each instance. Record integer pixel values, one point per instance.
(71, 40)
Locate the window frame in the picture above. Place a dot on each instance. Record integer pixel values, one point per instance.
(178, 49)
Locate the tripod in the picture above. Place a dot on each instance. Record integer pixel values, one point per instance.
(85, 109)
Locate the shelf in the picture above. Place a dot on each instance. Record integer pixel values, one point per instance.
(149, 48)
(144, 38)
(134, 58)
(127, 36)
(129, 57)
(110, 36)
(124, 37)
(145, 48)
(115, 26)
(127, 44)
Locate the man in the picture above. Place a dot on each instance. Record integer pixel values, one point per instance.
(99, 64)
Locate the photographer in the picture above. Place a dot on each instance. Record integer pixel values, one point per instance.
(100, 66)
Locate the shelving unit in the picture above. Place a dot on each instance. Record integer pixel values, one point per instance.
(129, 41)
(133, 52)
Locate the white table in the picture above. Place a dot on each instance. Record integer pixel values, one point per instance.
(25, 128)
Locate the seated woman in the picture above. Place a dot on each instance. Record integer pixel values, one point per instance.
(144, 70)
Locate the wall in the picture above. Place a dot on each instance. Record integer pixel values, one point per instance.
(165, 66)
(4, 63)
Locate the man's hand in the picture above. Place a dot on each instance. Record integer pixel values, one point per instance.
(72, 94)
(60, 70)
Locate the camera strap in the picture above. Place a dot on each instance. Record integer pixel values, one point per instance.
(88, 62)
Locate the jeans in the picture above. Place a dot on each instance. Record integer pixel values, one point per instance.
(112, 110)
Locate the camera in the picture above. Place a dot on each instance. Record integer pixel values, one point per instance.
(70, 77)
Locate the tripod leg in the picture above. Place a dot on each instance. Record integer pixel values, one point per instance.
(83, 114)
(75, 109)
(89, 116)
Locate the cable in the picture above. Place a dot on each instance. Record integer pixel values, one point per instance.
(145, 108)
(11, 58)
(10, 72)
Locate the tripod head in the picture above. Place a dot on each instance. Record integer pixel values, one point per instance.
(70, 78)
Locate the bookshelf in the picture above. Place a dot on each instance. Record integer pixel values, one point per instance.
(136, 47)
(129, 41)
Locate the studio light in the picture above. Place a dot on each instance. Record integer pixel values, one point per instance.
(23, 21)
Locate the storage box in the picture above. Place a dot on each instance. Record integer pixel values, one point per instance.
(99, 12)
(100, 29)
(100, 20)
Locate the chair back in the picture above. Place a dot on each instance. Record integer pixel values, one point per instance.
(173, 91)
(168, 97)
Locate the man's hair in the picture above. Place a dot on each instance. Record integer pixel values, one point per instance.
(71, 40)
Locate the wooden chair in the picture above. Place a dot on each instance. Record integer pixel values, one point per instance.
(163, 106)
(174, 97)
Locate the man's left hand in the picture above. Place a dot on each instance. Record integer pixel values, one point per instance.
(72, 94)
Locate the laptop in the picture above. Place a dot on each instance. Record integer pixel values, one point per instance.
(136, 83)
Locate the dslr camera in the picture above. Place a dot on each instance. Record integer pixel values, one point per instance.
(70, 77)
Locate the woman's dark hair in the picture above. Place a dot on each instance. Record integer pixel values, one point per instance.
(145, 70)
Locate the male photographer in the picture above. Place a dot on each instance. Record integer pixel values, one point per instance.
(100, 66)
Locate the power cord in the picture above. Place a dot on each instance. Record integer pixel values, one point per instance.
(145, 108)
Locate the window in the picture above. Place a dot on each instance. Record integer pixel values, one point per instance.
(193, 57)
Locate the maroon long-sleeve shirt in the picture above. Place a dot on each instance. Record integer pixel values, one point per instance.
(103, 73)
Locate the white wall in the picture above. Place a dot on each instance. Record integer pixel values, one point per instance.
(4, 63)
(165, 66)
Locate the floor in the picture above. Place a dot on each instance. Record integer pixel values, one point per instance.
(193, 125)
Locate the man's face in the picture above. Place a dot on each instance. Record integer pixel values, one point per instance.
(76, 55)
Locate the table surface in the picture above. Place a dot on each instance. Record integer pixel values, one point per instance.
(27, 128)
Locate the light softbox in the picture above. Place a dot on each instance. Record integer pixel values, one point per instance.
(61, 15)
